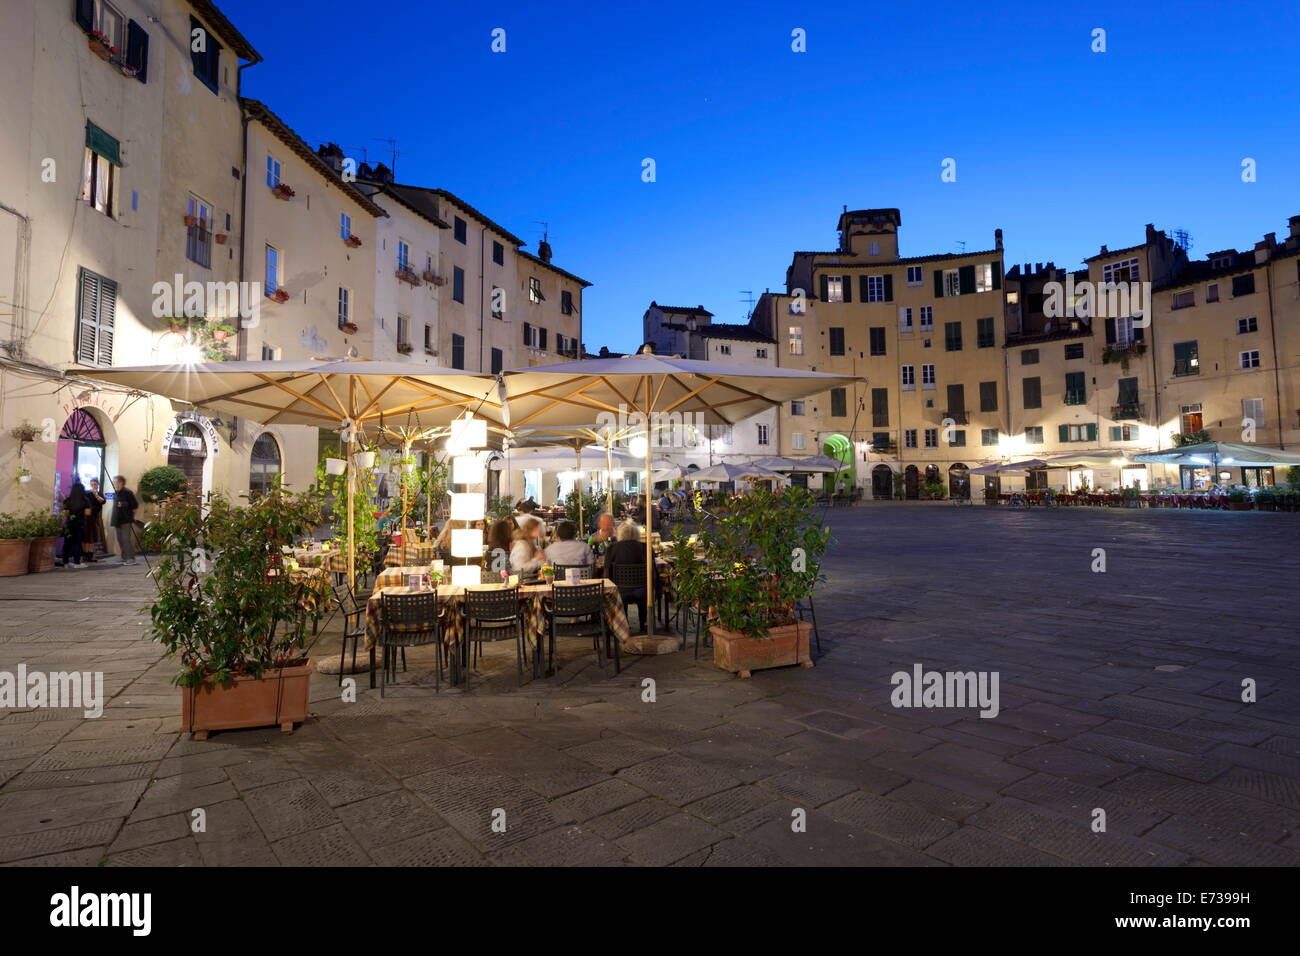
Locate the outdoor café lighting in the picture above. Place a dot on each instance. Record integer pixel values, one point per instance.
(466, 433)
(466, 575)
(638, 447)
(468, 470)
(189, 355)
(468, 506)
(467, 543)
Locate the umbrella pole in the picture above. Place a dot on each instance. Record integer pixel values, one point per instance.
(351, 492)
(406, 453)
(577, 483)
(649, 539)
(609, 481)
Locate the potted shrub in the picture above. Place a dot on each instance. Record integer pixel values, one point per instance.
(429, 275)
(283, 191)
(404, 347)
(24, 434)
(365, 460)
(1131, 497)
(933, 490)
(352, 241)
(279, 295)
(43, 528)
(24, 474)
(233, 616)
(159, 484)
(221, 238)
(15, 546)
(990, 496)
(222, 331)
(1238, 500)
(770, 545)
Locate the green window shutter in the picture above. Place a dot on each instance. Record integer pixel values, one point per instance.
(938, 283)
(1063, 432)
(862, 288)
(889, 288)
(997, 275)
(100, 143)
(1092, 431)
(1128, 391)
(846, 283)
(966, 276)
(1110, 331)
(87, 317)
(1116, 433)
(85, 14)
(824, 286)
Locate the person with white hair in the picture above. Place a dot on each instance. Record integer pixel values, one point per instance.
(629, 551)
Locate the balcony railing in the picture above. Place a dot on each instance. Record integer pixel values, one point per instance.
(407, 274)
(1127, 411)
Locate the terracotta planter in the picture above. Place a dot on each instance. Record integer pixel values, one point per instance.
(219, 335)
(221, 238)
(279, 697)
(741, 654)
(41, 556)
(99, 49)
(1240, 506)
(14, 553)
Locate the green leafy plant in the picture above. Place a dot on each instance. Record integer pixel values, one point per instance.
(933, 489)
(900, 485)
(160, 483)
(24, 433)
(41, 524)
(365, 520)
(500, 507)
(11, 526)
(1131, 494)
(990, 493)
(759, 560)
(1293, 477)
(592, 505)
(224, 604)
(1190, 438)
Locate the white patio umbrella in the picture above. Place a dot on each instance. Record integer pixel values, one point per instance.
(1223, 453)
(349, 394)
(637, 391)
(728, 471)
(1009, 467)
(814, 464)
(554, 457)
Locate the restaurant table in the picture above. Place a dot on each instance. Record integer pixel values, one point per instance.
(414, 553)
(316, 590)
(451, 605)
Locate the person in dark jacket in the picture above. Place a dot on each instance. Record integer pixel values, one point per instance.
(94, 532)
(123, 519)
(629, 550)
(75, 507)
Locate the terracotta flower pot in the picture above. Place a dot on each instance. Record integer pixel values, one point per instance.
(14, 553)
(99, 49)
(41, 556)
(219, 335)
(742, 654)
(279, 697)
(221, 238)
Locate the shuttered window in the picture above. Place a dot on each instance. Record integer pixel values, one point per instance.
(877, 334)
(1033, 393)
(984, 333)
(207, 58)
(837, 341)
(1076, 391)
(988, 396)
(952, 336)
(96, 312)
(458, 351)
(880, 407)
(137, 51)
(839, 403)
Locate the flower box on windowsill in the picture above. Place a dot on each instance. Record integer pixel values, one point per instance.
(191, 221)
(221, 238)
(404, 348)
(99, 46)
(352, 242)
(128, 70)
(283, 191)
(406, 275)
(430, 276)
(349, 328)
(438, 280)
(279, 295)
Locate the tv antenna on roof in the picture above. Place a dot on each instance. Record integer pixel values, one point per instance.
(392, 148)
(1182, 240)
(750, 300)
(962, 243)
(546, 226)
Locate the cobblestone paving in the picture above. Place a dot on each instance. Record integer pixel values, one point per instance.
(1119, 691)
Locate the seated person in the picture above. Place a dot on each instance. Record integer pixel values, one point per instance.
(604, 535)
(566, 550)
(629, 550)
(528, 522)
(525, 557)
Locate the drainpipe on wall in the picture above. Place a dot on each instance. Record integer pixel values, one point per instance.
(241, 336)
(482, 267)
(1277, 364)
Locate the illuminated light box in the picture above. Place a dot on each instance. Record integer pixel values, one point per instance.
(468, 506)
(467, 543)
(467, 433)
(466, 575)
(468, 470)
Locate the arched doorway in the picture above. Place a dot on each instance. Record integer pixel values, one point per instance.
(912, 482)
(81, 452)
(264, 465)
(187, 452)
(841, 449)
(882, 482)
(994, 484)
(958, 481)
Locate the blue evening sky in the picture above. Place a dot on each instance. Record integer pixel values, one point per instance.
(757, 148)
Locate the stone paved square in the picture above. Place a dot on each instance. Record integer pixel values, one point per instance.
(1118, 691)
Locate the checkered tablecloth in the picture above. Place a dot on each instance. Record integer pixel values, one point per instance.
(334, 559)
(417, 552)
(451, 604)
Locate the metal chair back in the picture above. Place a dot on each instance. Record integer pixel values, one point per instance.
(410, 619)
(588, 571)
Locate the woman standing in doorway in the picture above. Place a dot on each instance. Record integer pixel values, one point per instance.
(95, 501)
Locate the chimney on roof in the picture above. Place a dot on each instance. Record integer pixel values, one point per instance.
(383, 174)
(1152, 235)
(1104, 250)
(1294, 224)
(997, 239)
(332, 154)
(1265, 248)
(544, 251)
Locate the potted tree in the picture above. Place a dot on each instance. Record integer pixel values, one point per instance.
(15, 545)
(991, 496)
(759, 561)
(933, 490)
(1238, 500)
(43, 529)
(233, 615)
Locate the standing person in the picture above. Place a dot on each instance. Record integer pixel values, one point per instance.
(94, 521)
(122, 519)
(528, 522)
(75, 507)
